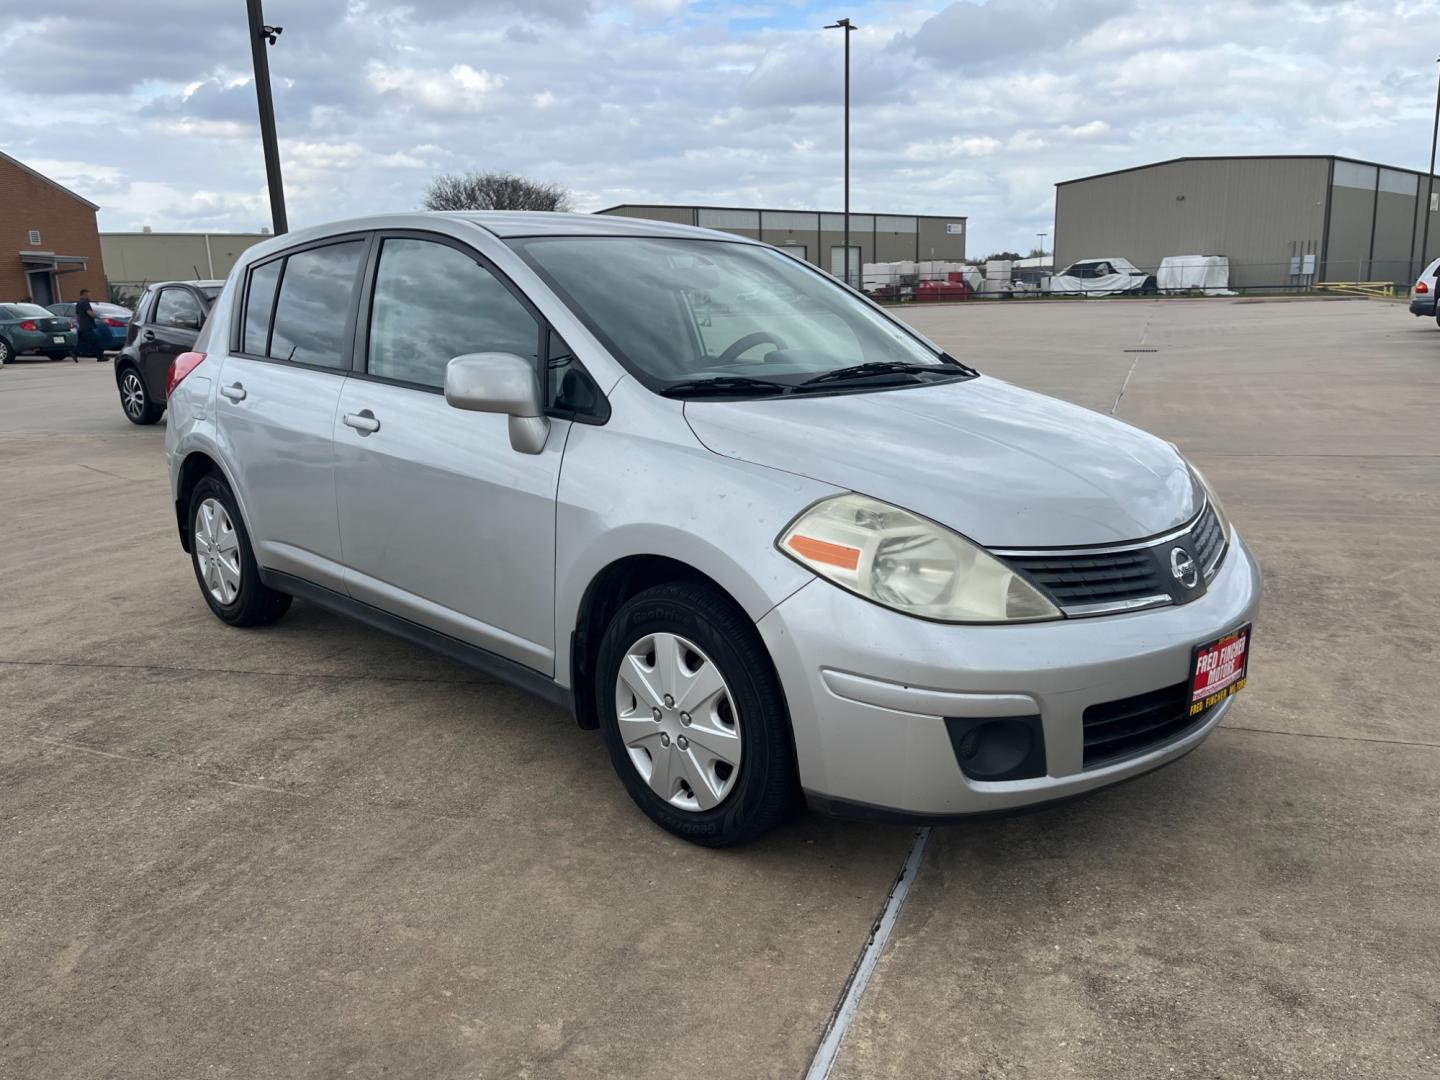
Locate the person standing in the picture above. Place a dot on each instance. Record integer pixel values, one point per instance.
(89, 341)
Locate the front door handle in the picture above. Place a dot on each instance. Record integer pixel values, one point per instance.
(364, 422)
(149, 335)
(234, 393)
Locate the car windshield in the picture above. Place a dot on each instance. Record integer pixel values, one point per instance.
(28, 311)
(686, 314)
(111, 309)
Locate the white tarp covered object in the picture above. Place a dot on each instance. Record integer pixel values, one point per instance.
(1182, 273)
(1102, 277)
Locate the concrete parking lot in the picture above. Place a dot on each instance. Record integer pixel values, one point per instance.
(313, 851)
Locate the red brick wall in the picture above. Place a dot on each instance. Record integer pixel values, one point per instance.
(67, 227)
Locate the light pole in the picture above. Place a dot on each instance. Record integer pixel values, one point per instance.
(1042, 236)
(849, 28)
(1429, 182)
(261, 35)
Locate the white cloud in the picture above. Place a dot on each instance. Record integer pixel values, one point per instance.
(461, 89)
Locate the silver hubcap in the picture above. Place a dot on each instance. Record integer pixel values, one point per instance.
(678, 722)
(132, 394)
(217, 551)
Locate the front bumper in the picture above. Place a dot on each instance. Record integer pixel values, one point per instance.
(869, 690)
(1423, 305)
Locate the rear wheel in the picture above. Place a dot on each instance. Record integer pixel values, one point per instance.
(694, 717)
(139, 407)
(58, 355)
(6, 352)
(223, 560)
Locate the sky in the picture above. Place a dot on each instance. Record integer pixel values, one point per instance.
(963, 108)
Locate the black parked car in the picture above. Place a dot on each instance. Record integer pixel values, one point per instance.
(166, 322)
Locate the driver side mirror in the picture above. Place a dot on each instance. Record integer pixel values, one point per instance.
(500, 383)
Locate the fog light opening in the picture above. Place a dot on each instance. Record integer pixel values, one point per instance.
(1005, 748)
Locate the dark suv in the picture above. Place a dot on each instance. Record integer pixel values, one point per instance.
(166, 322)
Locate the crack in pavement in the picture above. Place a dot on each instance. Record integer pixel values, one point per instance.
(1323, 735)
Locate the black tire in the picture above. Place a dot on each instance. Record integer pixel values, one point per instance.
(765, 789)
(135, 400)
(254, 604)
(7, 353)
(58, 355)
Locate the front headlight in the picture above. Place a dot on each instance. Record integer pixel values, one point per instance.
(1214, 502)
(907, 563)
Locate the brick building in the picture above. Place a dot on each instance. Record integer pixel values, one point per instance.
(49, 244)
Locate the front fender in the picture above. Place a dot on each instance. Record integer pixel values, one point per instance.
(623, 495)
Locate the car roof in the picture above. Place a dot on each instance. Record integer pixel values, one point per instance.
(505, 224)
(204, 283)
(512, 223)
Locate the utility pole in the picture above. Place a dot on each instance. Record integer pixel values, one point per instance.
(1429, 183)
(849, 28)
(262, 35)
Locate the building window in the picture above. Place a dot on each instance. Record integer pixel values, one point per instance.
(34, 237)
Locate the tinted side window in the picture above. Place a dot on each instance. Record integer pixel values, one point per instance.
(258, 305)
(434, 303)
(316, 291)
(178, 307)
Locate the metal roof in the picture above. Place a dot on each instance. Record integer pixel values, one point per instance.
(1241, 157)
(781, 210)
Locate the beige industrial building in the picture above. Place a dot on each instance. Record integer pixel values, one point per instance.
(818, 236)
(134, 260)
(1284, 221)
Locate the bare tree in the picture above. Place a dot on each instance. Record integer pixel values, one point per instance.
(493, 191)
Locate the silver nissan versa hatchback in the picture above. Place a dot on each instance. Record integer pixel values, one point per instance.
(766, 538)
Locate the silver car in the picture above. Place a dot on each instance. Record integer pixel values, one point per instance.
(769, 540)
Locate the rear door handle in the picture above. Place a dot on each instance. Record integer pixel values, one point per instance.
(364, 422)
(149, 335)
(234, 393)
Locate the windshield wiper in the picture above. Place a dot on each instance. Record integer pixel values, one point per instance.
(884, 367)
(727, 385)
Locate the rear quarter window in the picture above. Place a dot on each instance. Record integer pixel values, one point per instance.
(312, 310)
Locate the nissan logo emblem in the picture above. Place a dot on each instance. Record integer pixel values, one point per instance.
(1184, 568)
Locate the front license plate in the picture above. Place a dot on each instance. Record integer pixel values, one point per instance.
(59, 339)
(1217, 670)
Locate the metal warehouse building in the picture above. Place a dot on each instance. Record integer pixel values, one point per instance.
(818, 236)
(134, 260)
(1283, 221)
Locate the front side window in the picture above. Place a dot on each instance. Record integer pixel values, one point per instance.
(317, 289)
(178, 308)
(433, 303)
(677, 312)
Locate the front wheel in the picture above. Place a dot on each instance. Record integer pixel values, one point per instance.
(694, 717)
(224, 563)
(139, 407)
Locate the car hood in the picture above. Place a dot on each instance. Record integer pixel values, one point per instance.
(1004, 466)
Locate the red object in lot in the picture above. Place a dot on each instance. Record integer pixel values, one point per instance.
(29, 324)
(111, 321)
(933, 291)
(181, 366)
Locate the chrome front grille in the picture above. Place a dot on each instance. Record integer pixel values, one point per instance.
(1124, 577)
